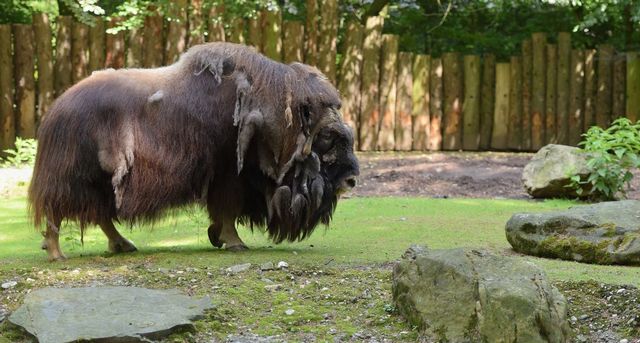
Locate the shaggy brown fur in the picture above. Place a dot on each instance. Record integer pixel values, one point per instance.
(254, 139)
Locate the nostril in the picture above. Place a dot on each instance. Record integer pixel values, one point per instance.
(351, 182)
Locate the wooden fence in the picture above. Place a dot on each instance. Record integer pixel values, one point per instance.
(394, 100)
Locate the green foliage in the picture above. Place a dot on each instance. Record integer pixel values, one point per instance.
(23, 155)
(612, 154)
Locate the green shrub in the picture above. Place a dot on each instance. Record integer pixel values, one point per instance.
(23, 155)
(613, 153)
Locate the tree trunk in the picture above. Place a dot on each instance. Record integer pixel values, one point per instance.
(7, 120)
(633, 86)
(328, 38)
(350, 76)
(96, 43)
(115, 48)
(272, 38)
(62, 72)
(216, 26)
(370, 106)
(79, 51)
(23, 62)
(176, 41)
(42, 31)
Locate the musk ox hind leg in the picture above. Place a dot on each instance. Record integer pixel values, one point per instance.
(224, 233)
(51, 241)
(117, 243)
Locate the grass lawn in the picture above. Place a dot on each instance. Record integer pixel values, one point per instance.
(338, 281)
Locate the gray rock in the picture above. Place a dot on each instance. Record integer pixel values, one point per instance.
(128, 314)
(283, 265)
(462, 295)
(8, 284)
(604, 233)
(550, 170)
(266, 266)
(238, 268)
(272, 288)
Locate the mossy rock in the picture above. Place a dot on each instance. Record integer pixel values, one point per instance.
(463, 295)
(604, 233)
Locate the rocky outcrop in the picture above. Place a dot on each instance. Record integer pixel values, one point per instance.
(463, 295)
(550, 170)
(604, 233)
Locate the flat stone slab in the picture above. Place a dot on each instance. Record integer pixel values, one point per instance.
(106, 314)
(603, 233)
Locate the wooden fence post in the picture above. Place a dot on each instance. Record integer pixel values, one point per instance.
(176, 41)
(633, 86)
(501, 111)
(7, 119)
(576, 99)
(514, 126)
(350, 76)
(79, 51)
(589, 89)
(604, 90)
(134, 48)
(550, 98)
(452, 81)
(311, 33)
(96, 45)
(328, 38)
(404, 102)
(388, 92)
(435, 106)
(153, 51)
(255, 29)
(195, 34)
(115, 46)
(293, 41)
(471, 105)
(23, 62)
(539, 41)
(527, 69)
(272, 38)
(370, 106)
(420, 111)
(562, 99)
(42, 32)
(62, 71)
(235, 34)
(487, 101)
(619, 86)
(215, 26)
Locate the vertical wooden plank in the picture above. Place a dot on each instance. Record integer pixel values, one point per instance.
(272, 38)
(527, 71)
(176, 41)
(420, 111)
(23, 64)
(488, 100)
(538, 77)
(96, 45)
(134, 48)
(619, 86)
(514, 128)
(328, 38)
(255, 28)
(551, 132)
(562, 98)
(215, 31)
(235, 34)
(115, 47)
(404, 102)
(62, 72)
(42, 32)
(293, 41)
(349, 82)
(196, 24)
(604, 92)
(501, 111)
(435, 107)
(79, 51)
(589, 89)
(452, 81)
(633, 86)
(7, 120)
(369, 104)
(576, 98)
(311, 33)
(471, 105)
(153, 51)
(388, 92)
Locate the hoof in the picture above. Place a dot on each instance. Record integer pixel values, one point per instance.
(237, 248)
(122, 246)
(214, 237)
(57, 258)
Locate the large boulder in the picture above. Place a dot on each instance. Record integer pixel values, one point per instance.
(550, 170)
(463, 295)
(604, 233)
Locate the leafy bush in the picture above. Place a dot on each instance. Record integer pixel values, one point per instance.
(613, 153)
(23, 155)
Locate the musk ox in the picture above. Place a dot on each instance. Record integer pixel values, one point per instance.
(258, 142)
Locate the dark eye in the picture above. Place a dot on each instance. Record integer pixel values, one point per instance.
(324, 142)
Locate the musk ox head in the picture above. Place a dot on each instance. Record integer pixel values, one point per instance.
(293, 148)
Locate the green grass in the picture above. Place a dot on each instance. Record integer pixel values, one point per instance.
(364, 231)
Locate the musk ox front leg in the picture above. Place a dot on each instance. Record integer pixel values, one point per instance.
(223, 233)
(117, 243)
(51, 241)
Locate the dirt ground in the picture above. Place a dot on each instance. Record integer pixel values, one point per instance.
(449, 175)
